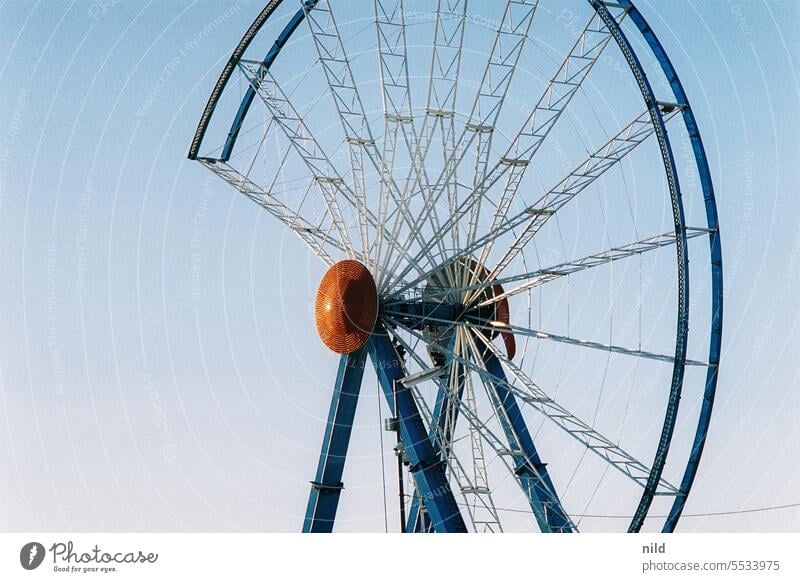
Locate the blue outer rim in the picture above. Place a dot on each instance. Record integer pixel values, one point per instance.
(231, 65)
(715, 343)
(682, 331)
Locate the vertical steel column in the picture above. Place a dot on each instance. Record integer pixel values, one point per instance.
(443, 422)
(531, 472)
(427, 466)
(327, 485)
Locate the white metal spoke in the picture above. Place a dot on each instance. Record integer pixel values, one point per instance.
(440, 110)
(534, 396)
(557, 95)
(460, 474)
(483, 509)
(398, 119)
(506, 50)
(480, 503)
(330, 185)
(475, 324)
(448, 42)
(533, 217)
(477, 495)
(324, 173)
(490, 383)
(450, 415)
(602, 160)
(501, 449)
(347, 100)
(358, 134)
(580, 430)
(393, 54)
(314, 236)
(541, 276)
(492, 95)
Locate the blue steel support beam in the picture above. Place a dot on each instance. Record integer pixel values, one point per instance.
(531, 472)
(327, 484)
(418, 521)
(715, 344)
(426, 465)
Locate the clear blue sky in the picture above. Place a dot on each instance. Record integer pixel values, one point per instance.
(158, 364)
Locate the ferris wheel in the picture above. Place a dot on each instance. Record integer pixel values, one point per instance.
(507, 226)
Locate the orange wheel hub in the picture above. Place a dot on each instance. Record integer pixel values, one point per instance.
(346, 307)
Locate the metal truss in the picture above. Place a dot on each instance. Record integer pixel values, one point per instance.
(350, 109)
(317, 237)
(398, 119)
(452, 381)
(532, 395)
(506, 50)
(598, 163)
(532, 473)
(323, 172)
(327, 180)
(544, 275)
(605, 257)
(448, 43)
(533, 217)
(543, 335)
(503, 60)
(557, 95)
(483, 511)
(349, 106)
(575, 427)
(475, 489)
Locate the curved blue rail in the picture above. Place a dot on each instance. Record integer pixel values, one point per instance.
(676, 387)
(715, 344)
(231, 65)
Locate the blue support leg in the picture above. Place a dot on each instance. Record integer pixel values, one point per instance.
(531, 472)
(445, 413)
(426, 465)
(327, 485)
(418, 519)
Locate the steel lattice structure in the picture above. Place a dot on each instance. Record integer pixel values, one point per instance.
(424, 202)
